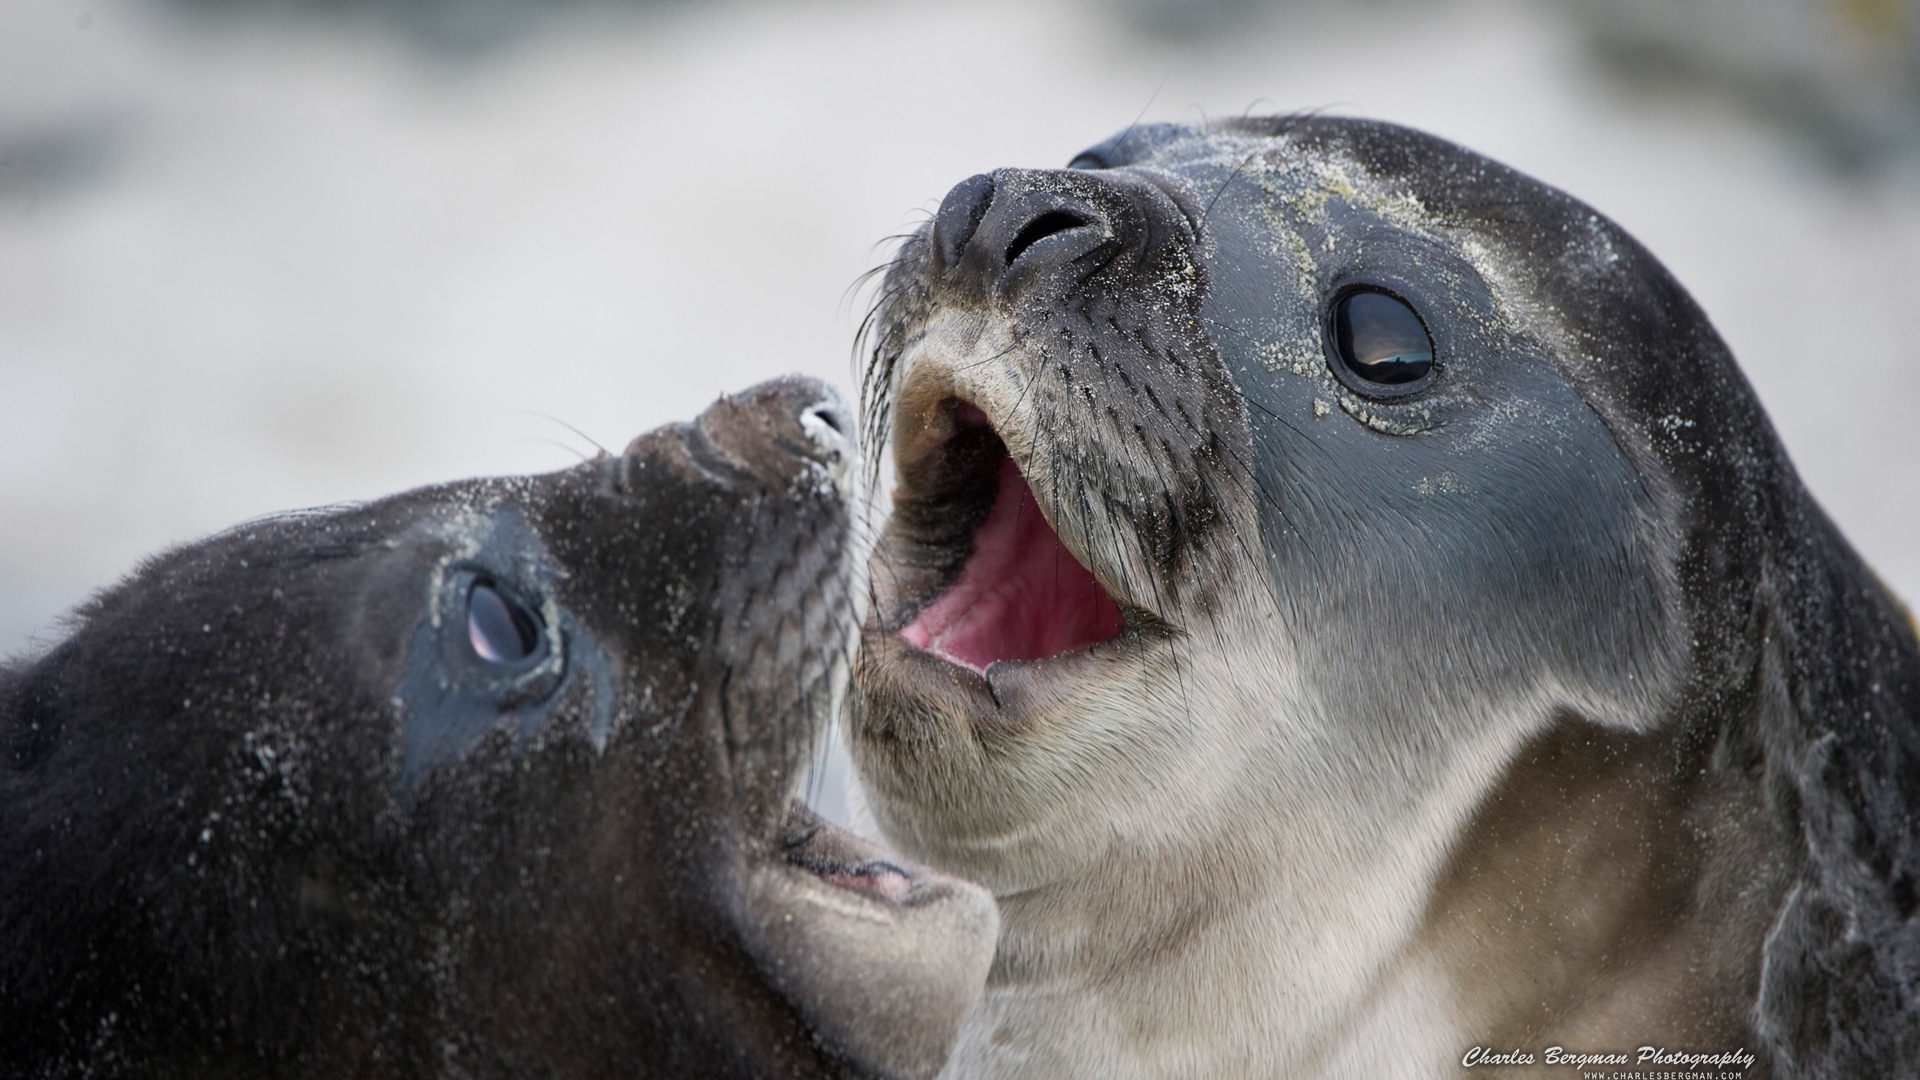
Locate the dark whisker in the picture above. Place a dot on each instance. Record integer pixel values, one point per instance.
(595, 443)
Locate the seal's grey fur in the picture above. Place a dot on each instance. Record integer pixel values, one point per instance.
(1533, 703)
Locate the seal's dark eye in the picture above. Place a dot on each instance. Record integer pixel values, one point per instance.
(501, 629)
(1088, 160)
(1379, 338)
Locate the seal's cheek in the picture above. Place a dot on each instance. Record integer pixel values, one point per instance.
(1438, 501)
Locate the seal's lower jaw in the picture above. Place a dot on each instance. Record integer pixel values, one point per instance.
(972, 546)
(885, 958)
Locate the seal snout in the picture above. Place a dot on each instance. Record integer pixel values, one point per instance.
(959, 215)
(1052, 425)
(1004, 230)
(768, 435)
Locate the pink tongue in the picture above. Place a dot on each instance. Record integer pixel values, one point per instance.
(1022, 594)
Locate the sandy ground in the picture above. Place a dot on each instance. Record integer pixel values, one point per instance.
(247, 265)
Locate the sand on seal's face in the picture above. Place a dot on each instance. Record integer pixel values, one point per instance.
(500, 777)
(1472, 623)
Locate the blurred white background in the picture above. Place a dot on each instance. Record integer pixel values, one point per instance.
(258, 257)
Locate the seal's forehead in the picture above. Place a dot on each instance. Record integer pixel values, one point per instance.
(1303, 149)
(1277, 155)
(348, 530)
(310, 559)
(1308, 174)
(1299, 189)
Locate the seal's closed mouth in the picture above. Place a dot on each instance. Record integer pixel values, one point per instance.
(850, 863)
(878, 878)
(1020, 594)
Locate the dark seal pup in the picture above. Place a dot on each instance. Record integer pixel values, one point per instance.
(1343, 598)
(494, 779)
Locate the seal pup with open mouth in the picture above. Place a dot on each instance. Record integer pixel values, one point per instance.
(1344, 600)
(493, 779)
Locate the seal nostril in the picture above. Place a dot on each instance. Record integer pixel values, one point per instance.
(1047, 224)
(830, 427)
(830, 414)
(959, 216)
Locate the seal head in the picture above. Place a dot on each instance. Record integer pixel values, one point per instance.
(496, 778)
(1344, 599)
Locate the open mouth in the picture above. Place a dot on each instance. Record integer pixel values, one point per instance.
(1004, 586)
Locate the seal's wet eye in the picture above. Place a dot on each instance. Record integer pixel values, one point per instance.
(1379, 341)
(500, 628)
(1088, 160)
